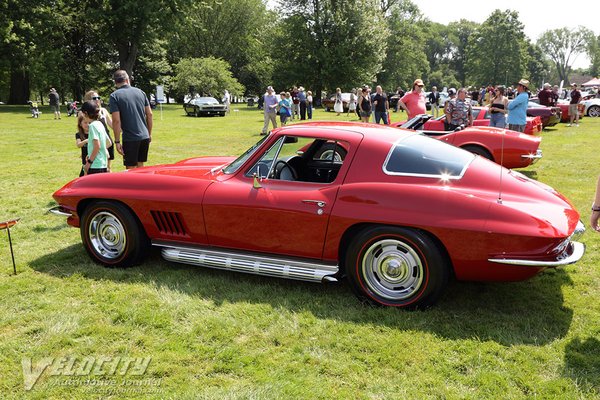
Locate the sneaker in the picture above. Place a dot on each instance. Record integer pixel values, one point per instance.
(568, 124)
(577, 125)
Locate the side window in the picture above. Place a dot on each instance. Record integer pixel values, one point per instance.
(301, 159)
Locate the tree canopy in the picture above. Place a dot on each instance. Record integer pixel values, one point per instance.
(242, 45)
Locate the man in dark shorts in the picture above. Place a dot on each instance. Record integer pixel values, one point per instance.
(131, 116)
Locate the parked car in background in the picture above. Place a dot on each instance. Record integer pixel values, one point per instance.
(330, 101)
(564, 108)
(398, 216)
(591, 107)
(509, 148)
(550, 116)
(204, 106)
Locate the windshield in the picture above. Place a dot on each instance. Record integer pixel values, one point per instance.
(205, 100)
(238, 162)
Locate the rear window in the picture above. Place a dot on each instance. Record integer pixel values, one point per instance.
(421, 156)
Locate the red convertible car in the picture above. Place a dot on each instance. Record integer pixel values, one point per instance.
(508, 148)
(398, 216)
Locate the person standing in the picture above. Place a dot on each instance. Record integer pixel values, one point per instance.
(104, 117)
(381, 105)
(302, 103)
(498, 108)
(573, 105)
(227, 100)
(338, 106)
(98, 141)
(54, 103)
(413, 102)
(81, 140)
(352, 102)
(517, 109)
(270, 109)
(285, 108)
(309, 104)
(365, 105)
(434, 100)
(295, 103)
(131, 118)
(400, 94)
(545, 96)
(459, 111)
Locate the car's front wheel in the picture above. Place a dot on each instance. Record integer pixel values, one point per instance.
(593, 111)
(480, 151)
(396, 267)
(112, 235)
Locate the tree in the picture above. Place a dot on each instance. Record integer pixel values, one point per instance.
(563, 45)
(593, 51)
(324, 44)
(405, 59)
(498, 52)
(207, 76)
(460, 35)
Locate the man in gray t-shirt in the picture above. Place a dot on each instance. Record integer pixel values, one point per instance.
(132, 116)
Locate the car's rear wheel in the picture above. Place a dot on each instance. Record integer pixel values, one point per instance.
(197, 113)
(396, 267)
(593, 111)
(479, 151)
(112, 235)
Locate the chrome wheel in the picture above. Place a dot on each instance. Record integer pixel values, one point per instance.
(107, 235)
(594, 111)
(392, 269)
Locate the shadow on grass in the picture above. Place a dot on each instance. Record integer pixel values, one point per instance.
(529, 173)
(530, 312)
(582, 362)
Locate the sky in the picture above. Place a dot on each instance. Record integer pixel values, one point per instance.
(537, 16)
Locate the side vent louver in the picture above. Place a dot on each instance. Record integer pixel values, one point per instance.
(169, 223)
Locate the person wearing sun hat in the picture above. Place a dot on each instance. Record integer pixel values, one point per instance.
(517, 109)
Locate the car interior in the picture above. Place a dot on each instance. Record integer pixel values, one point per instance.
(301, 159)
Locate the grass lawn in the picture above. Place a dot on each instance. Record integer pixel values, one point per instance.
(213, 334)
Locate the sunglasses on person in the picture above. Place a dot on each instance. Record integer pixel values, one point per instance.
(96, 98)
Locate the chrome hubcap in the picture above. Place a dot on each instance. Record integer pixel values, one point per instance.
(392, 269)
(107, 235)
(594, 111)
(328, 154)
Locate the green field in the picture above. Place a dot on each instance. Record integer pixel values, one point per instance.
(219, 335)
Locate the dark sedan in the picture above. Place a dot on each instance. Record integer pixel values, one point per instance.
(204, 106)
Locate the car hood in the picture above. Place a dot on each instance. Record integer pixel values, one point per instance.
(198, 167)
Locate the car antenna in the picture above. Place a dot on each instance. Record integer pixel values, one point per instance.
(499, 201)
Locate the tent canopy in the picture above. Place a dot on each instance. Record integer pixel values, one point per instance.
(592, 82)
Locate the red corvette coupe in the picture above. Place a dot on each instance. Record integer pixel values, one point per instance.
(399, 215)
(508, 148)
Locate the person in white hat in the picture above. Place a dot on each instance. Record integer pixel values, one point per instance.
(517, 109)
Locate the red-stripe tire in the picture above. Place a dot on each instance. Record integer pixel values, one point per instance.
(396, 267)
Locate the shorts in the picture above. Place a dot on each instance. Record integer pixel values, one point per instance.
(365, 114)
(54, 108)
(92, 171)
(135, 152)
(573, 109)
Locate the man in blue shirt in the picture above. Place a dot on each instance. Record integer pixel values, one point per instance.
(270, 107)
(517, 109)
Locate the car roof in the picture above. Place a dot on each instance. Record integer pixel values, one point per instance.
(345, 131)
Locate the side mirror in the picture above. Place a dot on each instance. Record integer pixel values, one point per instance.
(256, 183)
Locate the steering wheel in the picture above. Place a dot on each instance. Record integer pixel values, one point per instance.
(284, 171)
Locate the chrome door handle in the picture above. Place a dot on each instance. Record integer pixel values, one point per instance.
(319, 203)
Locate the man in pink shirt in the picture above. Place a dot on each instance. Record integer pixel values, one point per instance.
(413, 102)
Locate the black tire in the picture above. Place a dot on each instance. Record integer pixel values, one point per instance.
(479, 151)
(396, 267)
(326, 151)
(197, 113)
(222, 114)
(112, 235)
(593, 111)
